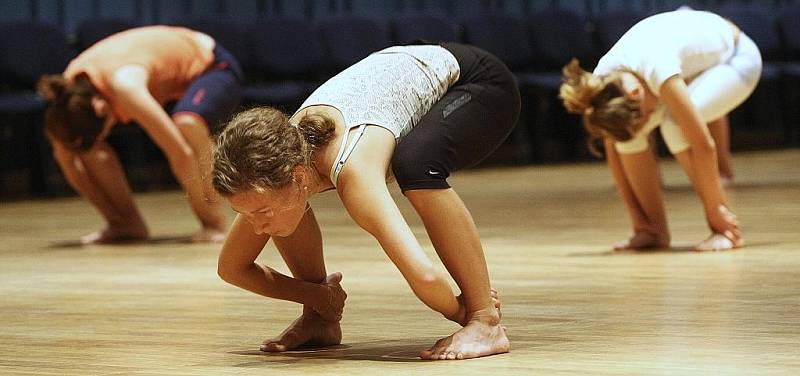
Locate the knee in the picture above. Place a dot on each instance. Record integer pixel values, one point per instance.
(188, 119)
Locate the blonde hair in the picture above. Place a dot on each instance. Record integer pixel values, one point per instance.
(259, 149)
(606, 110)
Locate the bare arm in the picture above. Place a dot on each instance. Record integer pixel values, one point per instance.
(130, 87)
(700, 160)
(363, 190)
(237, 266)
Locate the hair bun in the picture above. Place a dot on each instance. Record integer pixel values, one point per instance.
(317, 130)
(579, 88)
(52, 87)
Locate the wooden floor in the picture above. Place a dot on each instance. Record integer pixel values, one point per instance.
(572, 307)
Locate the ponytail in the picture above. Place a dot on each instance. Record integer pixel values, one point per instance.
(601, 100)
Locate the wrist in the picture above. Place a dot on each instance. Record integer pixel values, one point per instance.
(329, 306)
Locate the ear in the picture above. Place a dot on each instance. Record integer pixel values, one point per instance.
(100, 106)
(635, 92)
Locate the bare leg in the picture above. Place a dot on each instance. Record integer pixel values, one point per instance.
(720, 132)
(204, 200)
(455, 238)
(98, 176)
(639, 183)
(302, 252)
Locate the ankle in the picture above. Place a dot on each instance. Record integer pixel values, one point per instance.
(488, 316)
(661, 236)
(126, 228)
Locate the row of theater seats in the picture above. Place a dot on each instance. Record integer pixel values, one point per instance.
(286, 58)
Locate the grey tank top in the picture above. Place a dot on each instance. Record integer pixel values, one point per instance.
(392, 88)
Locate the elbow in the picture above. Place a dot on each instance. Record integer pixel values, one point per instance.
(228, 273)
(224, 273)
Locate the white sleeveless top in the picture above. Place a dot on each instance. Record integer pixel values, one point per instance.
(392, 88)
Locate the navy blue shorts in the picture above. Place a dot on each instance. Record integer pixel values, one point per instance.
(215, 94)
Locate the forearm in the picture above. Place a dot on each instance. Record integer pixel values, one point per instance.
(438, 296)
(237, 266)
(704, 175)
(425, 281)
(268, 282)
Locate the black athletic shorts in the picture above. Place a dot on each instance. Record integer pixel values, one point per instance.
(465, 126)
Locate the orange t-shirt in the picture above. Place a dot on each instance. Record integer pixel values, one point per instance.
(173, 57)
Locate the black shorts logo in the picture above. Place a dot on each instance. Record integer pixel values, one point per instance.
(455, 104)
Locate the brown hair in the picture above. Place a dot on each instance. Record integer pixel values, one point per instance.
(606, 110)
(70, 118)
(259, 149)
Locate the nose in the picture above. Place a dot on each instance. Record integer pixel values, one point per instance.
(261, 228)
(260, 225)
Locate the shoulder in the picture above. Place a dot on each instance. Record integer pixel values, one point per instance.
(131, 77)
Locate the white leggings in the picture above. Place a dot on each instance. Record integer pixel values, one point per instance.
(718, 90)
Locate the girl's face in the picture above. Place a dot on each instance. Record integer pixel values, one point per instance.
(274, 212)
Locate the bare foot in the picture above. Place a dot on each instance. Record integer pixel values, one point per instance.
(719, 242)
(112, 235)
(209, 235)
(496, 303)
(482, 336)
(333, 309)
(308, 330)
(641, 240)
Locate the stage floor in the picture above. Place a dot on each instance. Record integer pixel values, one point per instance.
(572, 306)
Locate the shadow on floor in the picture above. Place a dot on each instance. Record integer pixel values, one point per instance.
(70, 244)
(738, 186)
(661, 251)
(385, 350)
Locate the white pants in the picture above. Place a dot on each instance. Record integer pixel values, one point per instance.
(718, 90)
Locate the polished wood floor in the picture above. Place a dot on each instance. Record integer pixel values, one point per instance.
(572, 307)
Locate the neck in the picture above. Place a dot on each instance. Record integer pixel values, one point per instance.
(323, 158)
(317, 183)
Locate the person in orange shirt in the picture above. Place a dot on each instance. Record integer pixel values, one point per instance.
(129, 77)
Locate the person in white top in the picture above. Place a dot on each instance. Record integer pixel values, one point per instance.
(681, 70)
(423, 110)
